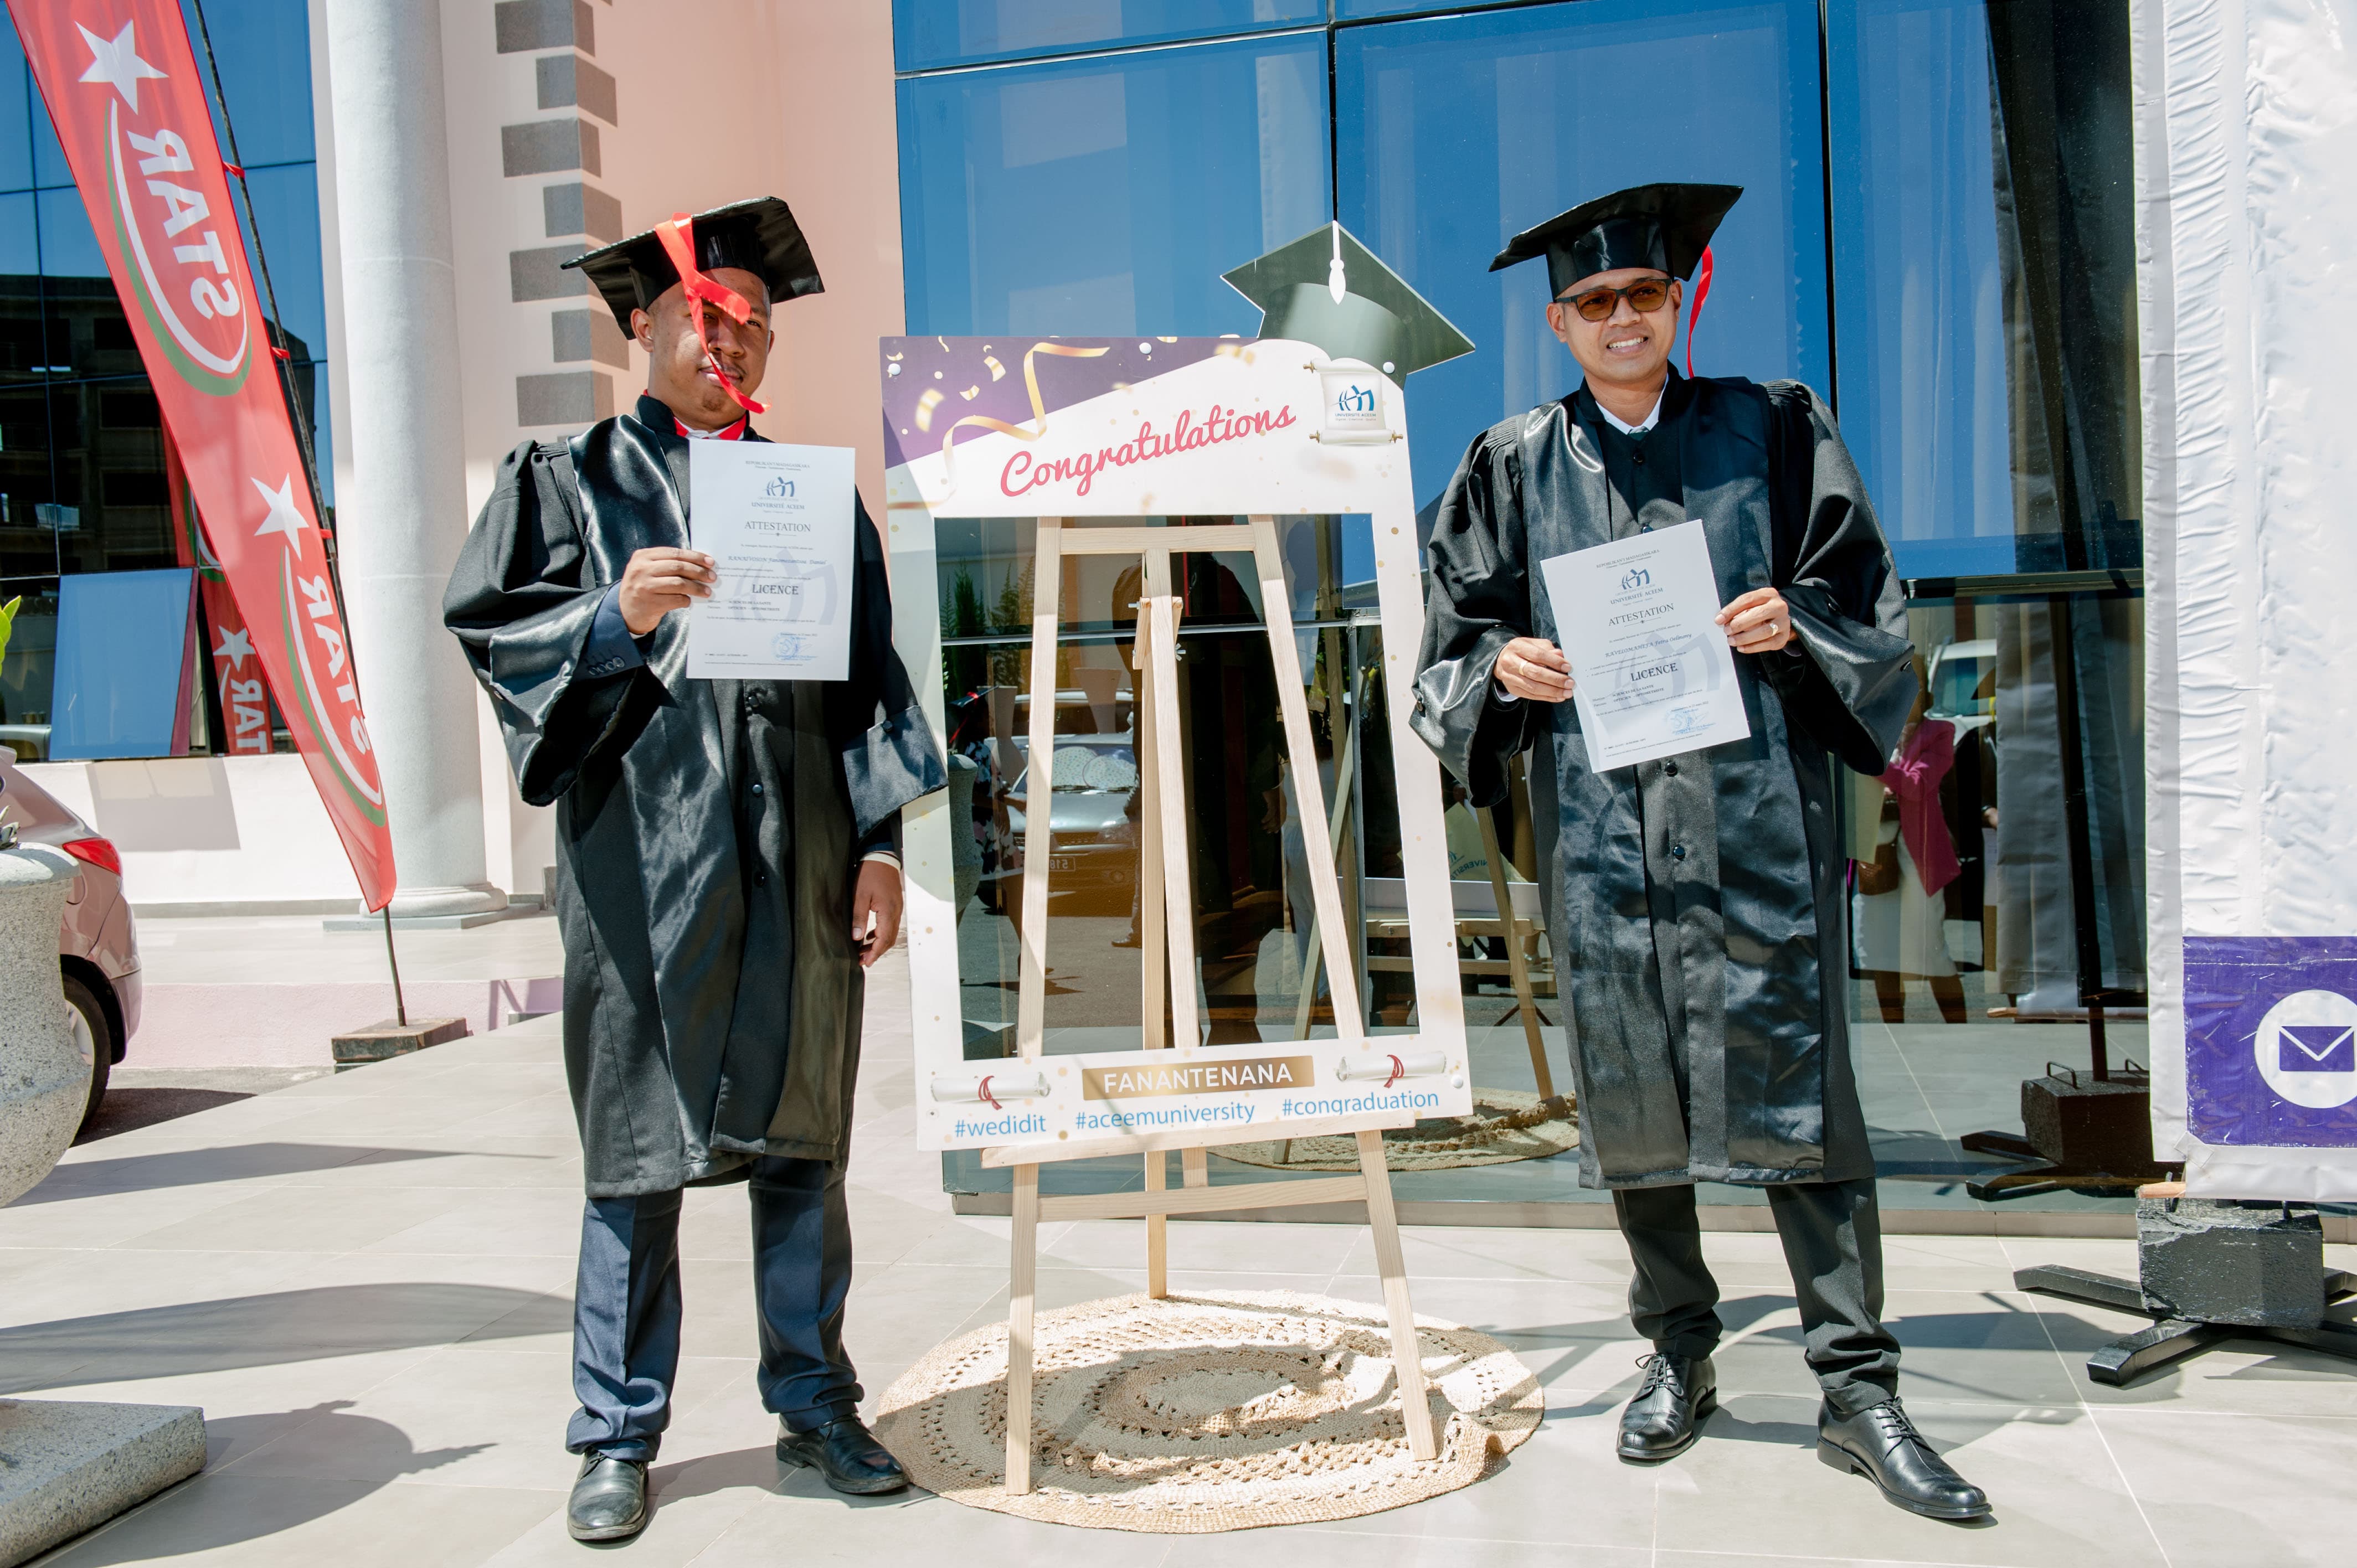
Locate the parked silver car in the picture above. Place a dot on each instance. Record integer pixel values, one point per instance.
(98, 948)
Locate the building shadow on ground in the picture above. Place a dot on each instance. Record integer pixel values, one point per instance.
(267, 1330)
(211, 1510)
(198, 1167)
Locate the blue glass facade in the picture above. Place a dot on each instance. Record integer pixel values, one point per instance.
(82, 462)
(1092, 166)
(1454, 133)
(929, 34)
(1936, 232)
(1106, 195)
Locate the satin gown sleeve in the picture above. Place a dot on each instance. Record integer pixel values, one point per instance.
(1849, 679)
(523, 604)
(891, 758)
(1479, 601)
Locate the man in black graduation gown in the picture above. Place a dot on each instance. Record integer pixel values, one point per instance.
(726, 863)
(1695, 901)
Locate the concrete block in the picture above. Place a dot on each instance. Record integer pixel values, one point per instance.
(522, 25)
(2091, 1124)
(69, 1465)
(548, 146)
(578, 335)
(577, 209)
(2260, 1264)
(569, 397)
(567, 82)
(383, 1041)
(540, 274)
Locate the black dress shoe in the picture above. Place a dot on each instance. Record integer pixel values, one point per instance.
(610, 1499)
(1880, 1444)
(1665, 1417)
(846, 1454)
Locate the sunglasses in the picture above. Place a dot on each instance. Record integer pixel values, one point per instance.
(1644, 298)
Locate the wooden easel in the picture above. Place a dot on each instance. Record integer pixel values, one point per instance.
(1167, 938)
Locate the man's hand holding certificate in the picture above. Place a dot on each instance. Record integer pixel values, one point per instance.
(776, 521)
(1647, 643)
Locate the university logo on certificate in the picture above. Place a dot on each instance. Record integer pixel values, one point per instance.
(776, 522)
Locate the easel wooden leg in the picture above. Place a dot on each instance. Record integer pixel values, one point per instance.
(1159, 631)
(1345, 771)
(1157, 1228)
(1038, 787)
(1022, 1277)
(1525, 1003)
(1318, 839)
(1152, 927)
(1383, 1220)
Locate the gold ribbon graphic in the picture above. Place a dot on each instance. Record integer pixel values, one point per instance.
(1038, 415)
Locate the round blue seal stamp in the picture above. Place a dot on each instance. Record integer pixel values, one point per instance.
(788, 645)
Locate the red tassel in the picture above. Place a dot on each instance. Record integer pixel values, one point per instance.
(1693, 315)
(233, 170)
(282, 353)
(678, 238)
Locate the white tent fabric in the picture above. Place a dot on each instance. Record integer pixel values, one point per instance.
(2247, 210)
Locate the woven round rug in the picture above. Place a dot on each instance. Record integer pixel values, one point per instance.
(1507, 1124)
(1213, 1412)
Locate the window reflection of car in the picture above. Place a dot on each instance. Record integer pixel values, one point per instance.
(1963, 685)
(1095, 837)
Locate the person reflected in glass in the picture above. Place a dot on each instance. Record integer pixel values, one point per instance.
(1697, 898)
(1900, 908)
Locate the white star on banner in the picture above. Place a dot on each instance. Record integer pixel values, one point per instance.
(118, 64)
(282, 518)
(236, 647)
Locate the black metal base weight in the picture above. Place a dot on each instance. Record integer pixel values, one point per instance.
(2123, 1360)
(2038, 1174)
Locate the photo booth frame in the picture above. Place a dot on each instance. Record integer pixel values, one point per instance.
(1168, 428)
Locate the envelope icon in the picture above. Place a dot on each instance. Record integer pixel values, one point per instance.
(2317, 1047)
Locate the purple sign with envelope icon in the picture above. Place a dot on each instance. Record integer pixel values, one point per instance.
(2271, 1040)
(2314, 1047)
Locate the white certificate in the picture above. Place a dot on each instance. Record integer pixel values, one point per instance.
(776, 522)
(1651, 669)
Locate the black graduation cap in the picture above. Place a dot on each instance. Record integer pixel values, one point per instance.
(1328, 289)
(1666, 227)
(758, 236)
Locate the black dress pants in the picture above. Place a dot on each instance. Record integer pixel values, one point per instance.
(1831, 1233)
(626, 1308)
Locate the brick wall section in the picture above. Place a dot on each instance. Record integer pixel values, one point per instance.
(567, 78)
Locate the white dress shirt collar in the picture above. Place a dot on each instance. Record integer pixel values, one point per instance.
(1642, 426)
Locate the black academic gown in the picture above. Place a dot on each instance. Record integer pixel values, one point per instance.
(1720, 871)
(707, 832)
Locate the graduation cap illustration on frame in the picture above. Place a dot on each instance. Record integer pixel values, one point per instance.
(758, 236)
(1328, 289)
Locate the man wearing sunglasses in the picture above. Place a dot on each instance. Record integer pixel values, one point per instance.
(1697, 899)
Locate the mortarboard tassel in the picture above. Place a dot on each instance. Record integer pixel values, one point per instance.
(678, 238)
(1702, 292)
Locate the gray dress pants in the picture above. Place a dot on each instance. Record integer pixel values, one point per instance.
(1831, 1233)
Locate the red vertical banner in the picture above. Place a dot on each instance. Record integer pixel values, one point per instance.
(124, 93)
(237, 670)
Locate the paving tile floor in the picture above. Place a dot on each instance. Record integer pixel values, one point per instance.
(365, 1281)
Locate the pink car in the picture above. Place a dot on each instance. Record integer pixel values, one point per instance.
(97, 948)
